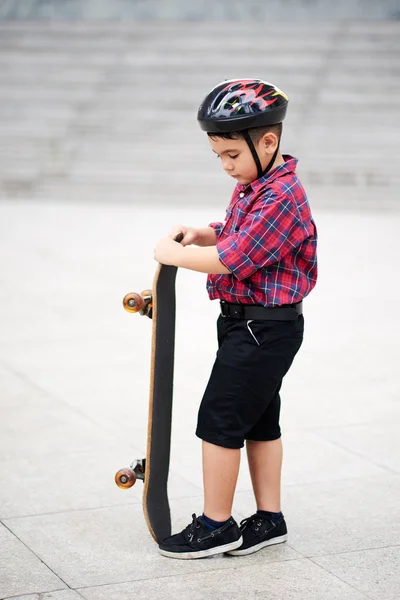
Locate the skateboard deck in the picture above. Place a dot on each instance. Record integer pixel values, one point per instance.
(159, 304)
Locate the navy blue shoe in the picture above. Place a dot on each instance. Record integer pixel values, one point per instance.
(198, 541)
(259, 532)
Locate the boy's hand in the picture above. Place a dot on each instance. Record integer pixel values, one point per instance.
(190, 234)
(168, 251)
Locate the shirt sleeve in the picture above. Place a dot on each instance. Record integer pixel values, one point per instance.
(217, 227)
(271, 230)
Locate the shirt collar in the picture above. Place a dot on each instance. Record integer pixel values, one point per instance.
(289, 166)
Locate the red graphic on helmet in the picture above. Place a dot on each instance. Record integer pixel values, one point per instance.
(248, 93)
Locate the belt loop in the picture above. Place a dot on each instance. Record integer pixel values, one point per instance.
(224, 308)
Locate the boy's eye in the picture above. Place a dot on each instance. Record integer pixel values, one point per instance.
(233, 155)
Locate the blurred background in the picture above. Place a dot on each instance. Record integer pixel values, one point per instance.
(100, 154)
(96, 97)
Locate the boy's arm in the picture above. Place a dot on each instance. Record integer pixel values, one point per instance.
(207, 236)
(204, 260)
(204, 236)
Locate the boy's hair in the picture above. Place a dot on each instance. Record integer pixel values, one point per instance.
(255, 133)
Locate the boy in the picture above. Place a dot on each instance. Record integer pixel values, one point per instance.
(261, 263)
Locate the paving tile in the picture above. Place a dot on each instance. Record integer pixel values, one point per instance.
(46, 426)
(333, 409)
(66, 352)
(308, 459)
(291, 580)
(21, 572)
(114, 397)
(59, 595)
(15, 389)
(60, 482)
(335, 517)
(73, 481)
(110, 545)
(378, 442)
(376, 573)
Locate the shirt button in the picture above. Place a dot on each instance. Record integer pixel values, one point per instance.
(241, 195)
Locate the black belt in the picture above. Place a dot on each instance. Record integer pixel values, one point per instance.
(286, 312)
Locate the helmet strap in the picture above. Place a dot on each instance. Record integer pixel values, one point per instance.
(273, 159)
(260, 171)
(250, 144)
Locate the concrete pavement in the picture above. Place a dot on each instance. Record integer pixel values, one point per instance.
(73, 397)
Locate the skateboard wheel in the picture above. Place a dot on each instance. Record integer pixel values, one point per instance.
(133, 303)
(125, 478)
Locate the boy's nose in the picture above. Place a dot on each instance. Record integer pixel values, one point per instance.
(228, 166)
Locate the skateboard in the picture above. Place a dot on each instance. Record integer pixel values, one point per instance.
(158, 304)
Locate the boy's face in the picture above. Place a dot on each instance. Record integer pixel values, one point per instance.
(237, 159)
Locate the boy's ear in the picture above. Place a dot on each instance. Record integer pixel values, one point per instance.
(269, 141)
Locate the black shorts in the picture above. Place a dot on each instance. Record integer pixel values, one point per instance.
(242, 401)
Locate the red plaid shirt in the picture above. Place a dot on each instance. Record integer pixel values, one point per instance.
(268, 242)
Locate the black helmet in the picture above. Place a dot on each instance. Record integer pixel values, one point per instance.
(240, 104)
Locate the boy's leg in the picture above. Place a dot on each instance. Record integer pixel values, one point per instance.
(267, 526)
(265, 464)
(216, 531)
(264, 455)
(220, 473)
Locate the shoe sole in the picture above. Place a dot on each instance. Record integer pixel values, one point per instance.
(271, 542)
(203, 553)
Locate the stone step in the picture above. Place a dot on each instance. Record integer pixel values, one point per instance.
(301, 10)
(96, 109)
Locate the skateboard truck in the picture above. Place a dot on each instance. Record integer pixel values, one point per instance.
(126, 478)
